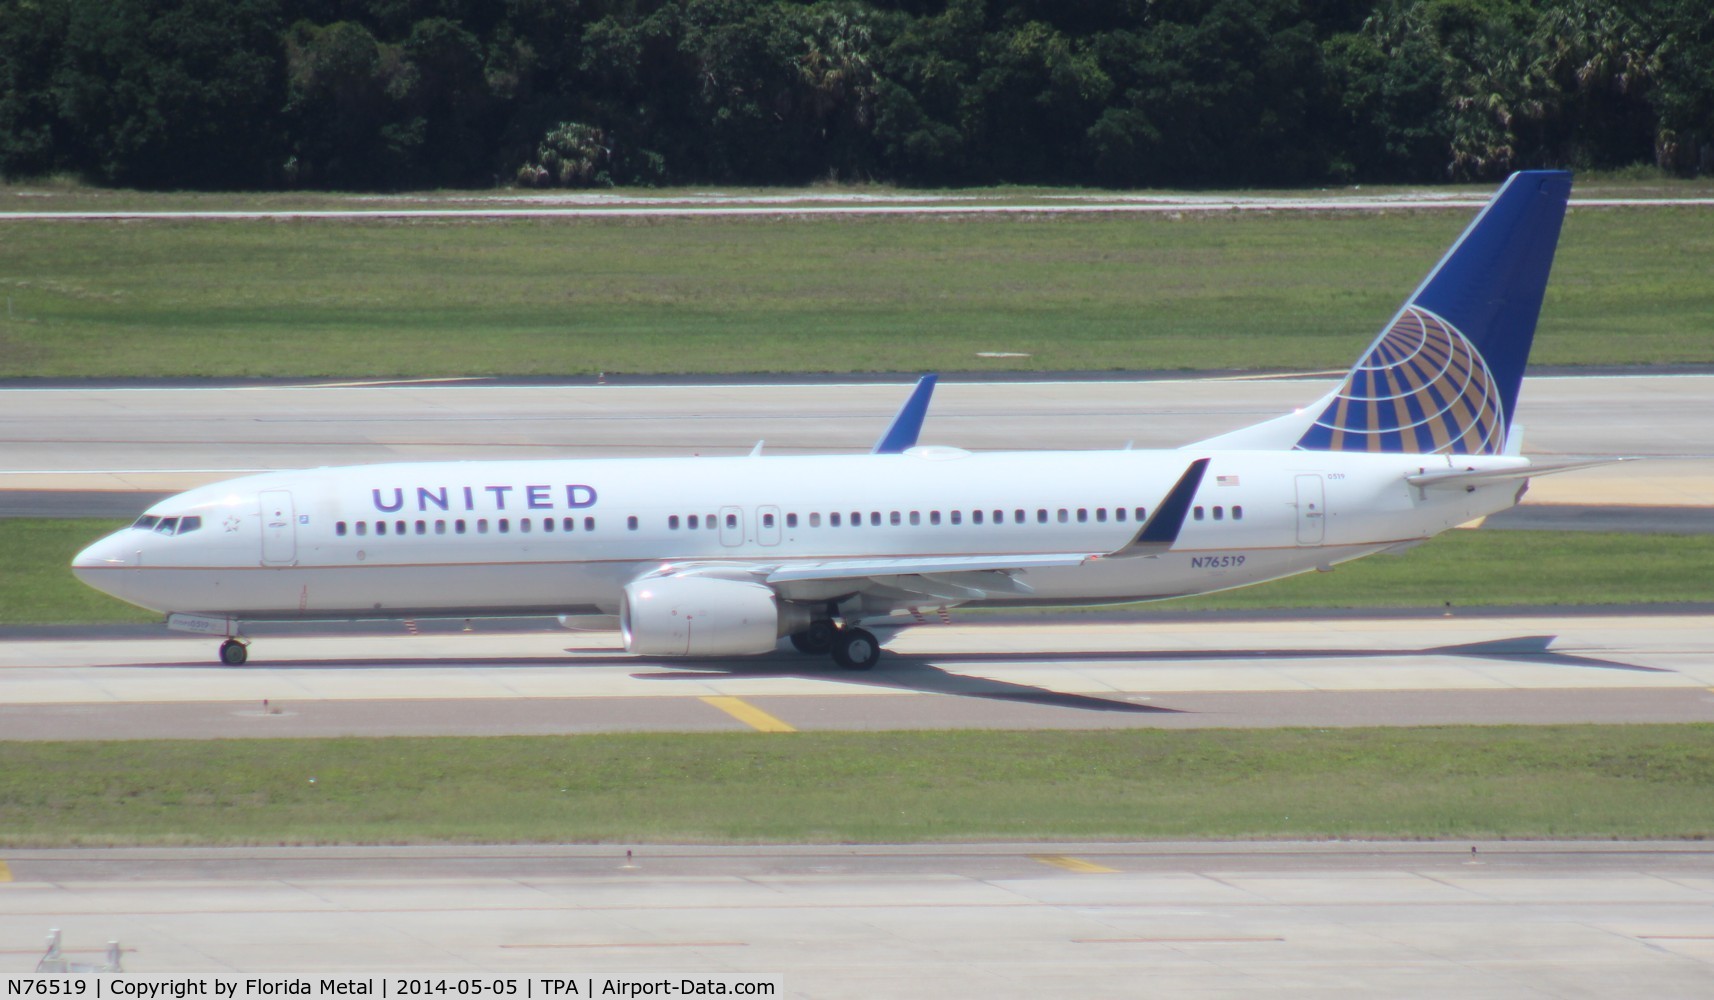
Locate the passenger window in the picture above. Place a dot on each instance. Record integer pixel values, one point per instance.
(505, 526)
(1237, 512)
(481, 526)
(547, 525)
(570, 523)
(189, 524)
(916, 517)
(934, 517)
(976, 516)
(875, 519)
(791, 520)
(422, 527)
(1219, 513)
(524, 525)
(440, 527)
(1101, 515)
(339, 529)
(893, 519)
(589, 524)
(815, 520)
(732, 520)
(1017, 515)
(362, 527)
(380, 527)
(692, 522)
(631, 523)
(767, 520)
(708, 522)
(1197, 513)
(1063, 515)
(398, 527)
(1041, 515)
(1118, 513)
(672, 522)
(458, 526)
(833, 519)
(167, 526)
(1142, 513)
(958, 516)
(1082, 515)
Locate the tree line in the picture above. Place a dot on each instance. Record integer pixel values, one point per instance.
(391, 94)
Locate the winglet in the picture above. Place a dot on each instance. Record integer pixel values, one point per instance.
(908, 424)
(1161, 530)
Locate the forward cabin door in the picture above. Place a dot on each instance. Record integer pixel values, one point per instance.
(279, 528)
(1311, 510)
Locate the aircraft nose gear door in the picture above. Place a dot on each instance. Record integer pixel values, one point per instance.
(279, 528)
(1311, 511)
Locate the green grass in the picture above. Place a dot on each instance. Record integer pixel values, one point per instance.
(1292, 291)
(1462, 568)
(1642, 781)
(38, 587)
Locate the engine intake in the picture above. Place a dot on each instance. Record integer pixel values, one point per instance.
(704, 616)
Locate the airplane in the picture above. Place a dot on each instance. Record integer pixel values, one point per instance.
(719, 556)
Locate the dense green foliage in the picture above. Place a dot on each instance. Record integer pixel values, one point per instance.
(890, 787)
(408, 93)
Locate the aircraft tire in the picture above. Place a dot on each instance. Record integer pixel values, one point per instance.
(233, 653)
(856, 649)
(815, 640)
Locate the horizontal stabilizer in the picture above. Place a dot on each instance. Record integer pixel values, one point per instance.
(1471, 478)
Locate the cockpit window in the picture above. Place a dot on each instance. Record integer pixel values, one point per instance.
(146, 522)
(189, 524)
(167, 526)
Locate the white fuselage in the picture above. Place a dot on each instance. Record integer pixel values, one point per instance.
(565, 536)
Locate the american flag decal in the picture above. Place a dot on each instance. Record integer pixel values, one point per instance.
(1225, 480)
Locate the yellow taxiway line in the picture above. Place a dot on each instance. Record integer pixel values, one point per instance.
(748, 714)
(1073, 864)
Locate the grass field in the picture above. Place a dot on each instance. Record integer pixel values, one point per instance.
(1291, 291)
(1462, 568)
(1643, 781)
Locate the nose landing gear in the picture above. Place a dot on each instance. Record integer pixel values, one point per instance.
(233, 652)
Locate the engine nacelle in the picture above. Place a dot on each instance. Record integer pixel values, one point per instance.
(704, 616)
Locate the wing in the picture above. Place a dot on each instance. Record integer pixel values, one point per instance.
(907, 579)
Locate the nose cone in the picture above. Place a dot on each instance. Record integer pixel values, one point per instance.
(94, 564)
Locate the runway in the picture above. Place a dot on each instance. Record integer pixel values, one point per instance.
(1004, 920)
(158, 440)
(1310, 671)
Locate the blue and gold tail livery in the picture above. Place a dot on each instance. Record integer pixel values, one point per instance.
(1443, 377)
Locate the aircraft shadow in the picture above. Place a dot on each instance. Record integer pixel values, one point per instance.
(924, 673)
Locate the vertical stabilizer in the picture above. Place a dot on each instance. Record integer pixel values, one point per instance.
(1443, 377)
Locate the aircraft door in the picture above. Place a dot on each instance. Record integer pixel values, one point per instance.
(768, 525)
(731, 526)
(1311, 510)
(279, 528)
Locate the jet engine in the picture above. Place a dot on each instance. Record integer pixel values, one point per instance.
(704, 616)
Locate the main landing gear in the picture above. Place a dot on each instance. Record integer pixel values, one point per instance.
(233, 652)
(853, 648)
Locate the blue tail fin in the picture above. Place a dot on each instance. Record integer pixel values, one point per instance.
(1444, 376)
